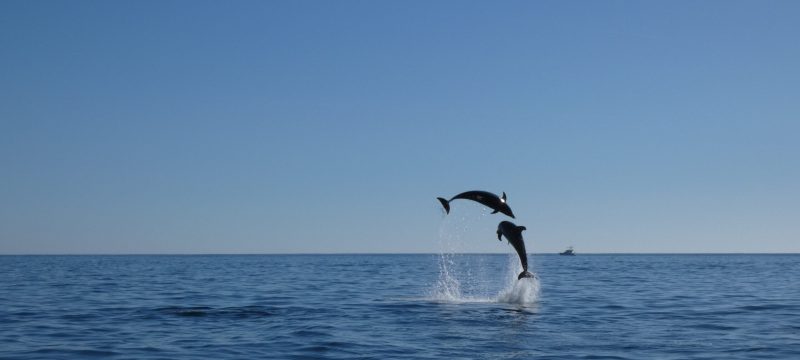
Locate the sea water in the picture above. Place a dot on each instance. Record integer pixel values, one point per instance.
(399, 306)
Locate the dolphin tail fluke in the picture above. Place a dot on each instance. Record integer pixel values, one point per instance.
(525, 274)
(445, 203)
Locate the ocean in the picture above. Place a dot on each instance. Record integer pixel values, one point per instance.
(421, 306)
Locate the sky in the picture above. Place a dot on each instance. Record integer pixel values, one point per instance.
(191, 127)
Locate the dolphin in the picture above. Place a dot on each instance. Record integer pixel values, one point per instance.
(498, 204)
(513, 234)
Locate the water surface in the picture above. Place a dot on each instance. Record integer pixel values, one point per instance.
(399, 306)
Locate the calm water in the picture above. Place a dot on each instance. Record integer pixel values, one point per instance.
(399, 306)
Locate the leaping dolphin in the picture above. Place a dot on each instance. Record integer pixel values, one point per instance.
(498, 204)
(513, 234)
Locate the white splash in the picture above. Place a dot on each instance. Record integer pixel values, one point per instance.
(521, 292)
(460, 281)
(451, 232)
(447, 287)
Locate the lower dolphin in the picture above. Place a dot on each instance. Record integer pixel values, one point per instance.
(513, 234)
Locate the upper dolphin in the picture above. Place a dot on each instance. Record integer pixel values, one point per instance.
(498, 204)
(513, 234)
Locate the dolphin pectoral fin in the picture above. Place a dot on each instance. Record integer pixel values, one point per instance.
(445, 204)
(495, 212)
(498, 235)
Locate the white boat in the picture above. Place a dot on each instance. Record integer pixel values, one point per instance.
(568, 252)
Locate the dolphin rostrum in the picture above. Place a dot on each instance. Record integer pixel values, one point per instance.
(513, 234)
(498, 204)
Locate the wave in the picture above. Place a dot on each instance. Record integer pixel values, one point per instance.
(206, 311)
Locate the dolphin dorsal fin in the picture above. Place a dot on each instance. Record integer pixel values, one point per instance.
(504, 196)
(521, 228)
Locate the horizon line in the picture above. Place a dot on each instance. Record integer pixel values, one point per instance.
(388, 253)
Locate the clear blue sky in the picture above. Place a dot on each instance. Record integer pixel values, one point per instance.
(331, 126)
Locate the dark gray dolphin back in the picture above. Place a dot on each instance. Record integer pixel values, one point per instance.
(484, 197)
(513, 234)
